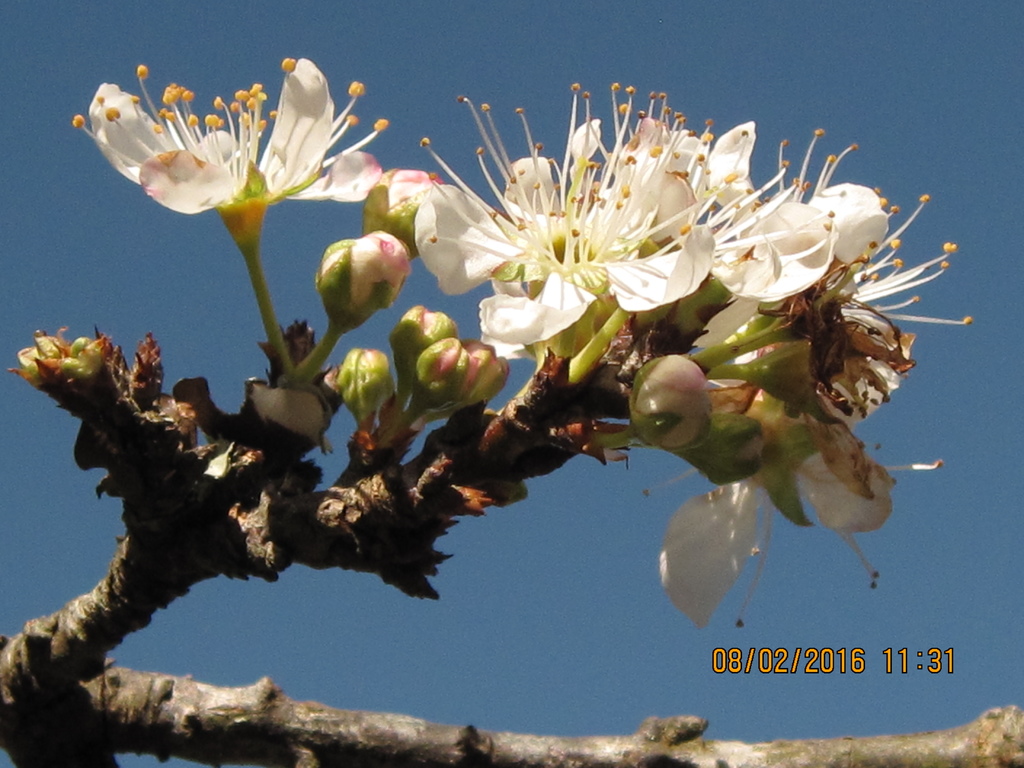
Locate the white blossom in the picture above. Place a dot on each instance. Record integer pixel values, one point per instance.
(191, 164)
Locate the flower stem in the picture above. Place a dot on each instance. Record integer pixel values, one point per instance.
(588, 357)
(305, 371)
(713, 357)
(244, 221)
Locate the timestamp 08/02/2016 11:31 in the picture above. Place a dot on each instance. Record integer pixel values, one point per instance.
(825, 660)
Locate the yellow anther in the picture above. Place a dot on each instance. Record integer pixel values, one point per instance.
(785, 142)
(100, 100)
(485, 107)
(882, 201)
(78, 121)
(854, 147)
(685, 229)
(235, 107)
(925, 198)
(480, 151)
(158, 129)
(895, 243)
(538, 147)
(250, 104)
(708, 137)
(112, 114)
(623, 109)
(944, 265)
(968, 320)
(218, 103)
(193, 121)
(352, 120)
(288, 65)
(432, 238)
(626, 191)
(262, 125)
(212, 121)
(657, 151)
(520, 111)
(831, 159)
(950, 247)
(630, 90)
(356, 88)
(898, 263)
(135, 99)
(819, 132)
(142, 71)
(187, 95)
(731, 178)
(380, 124)
(273, 114)
(424, 142)
(894, 209)
(586, 94)
(241, 96)
(616, 87)
(256, 89)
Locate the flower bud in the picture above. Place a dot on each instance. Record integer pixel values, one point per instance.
(670, 407)
(487, 372)
(417, 330)
(364, 382)
(441, 372)
(391, 205)
(358, 277)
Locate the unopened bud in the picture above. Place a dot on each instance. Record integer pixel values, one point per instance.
(391, 205)
(417, 330)
(670, 407)
(440, 376)
(358, 277)
(364, 382)
(487, 372)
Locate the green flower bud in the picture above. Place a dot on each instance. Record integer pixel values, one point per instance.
(730, 452)
(391, 205)
(669, 405)
(487, 372)
(364, 382)
(417, 330)
(358, 277)
(441, 372)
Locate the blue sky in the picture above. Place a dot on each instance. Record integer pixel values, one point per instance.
(551, 619)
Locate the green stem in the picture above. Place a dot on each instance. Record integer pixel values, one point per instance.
(712, 357)
(251, 253)
(588, 357)
(305, 371)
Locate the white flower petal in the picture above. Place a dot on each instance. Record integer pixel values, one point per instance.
(349, 179)
(654, 281)
(858, 218)
(706, 545)
(837, 505)
(458, 241)
(519, 320)
(186, 184)
(302, 130)
(123, 131)
(585, 140)
(729, 161)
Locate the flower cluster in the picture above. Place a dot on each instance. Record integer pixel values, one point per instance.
(659, 231)
(742, 318)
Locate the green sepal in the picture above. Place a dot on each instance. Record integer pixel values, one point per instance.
(730, 452)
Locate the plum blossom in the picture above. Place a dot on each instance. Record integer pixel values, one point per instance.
(618, 220)
(191, 164)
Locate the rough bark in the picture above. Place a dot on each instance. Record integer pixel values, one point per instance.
(247, 505)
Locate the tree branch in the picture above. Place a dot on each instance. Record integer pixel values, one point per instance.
(258, 725)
